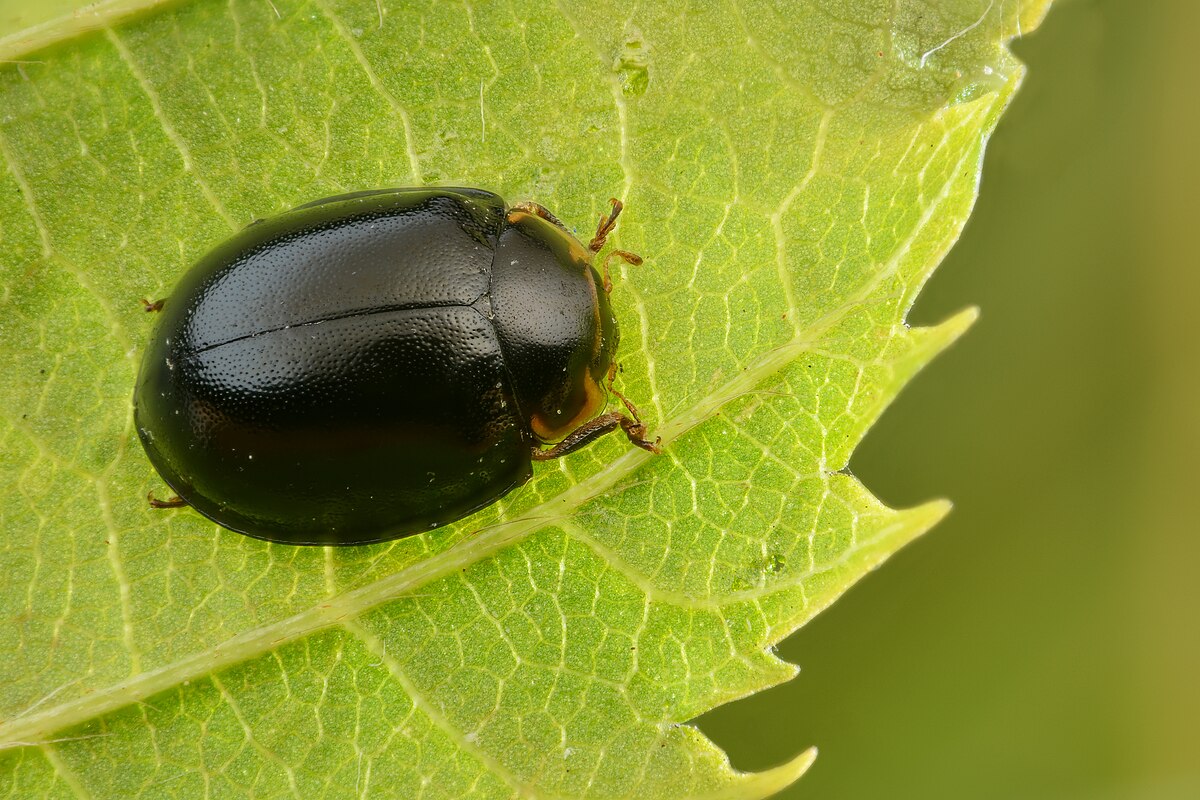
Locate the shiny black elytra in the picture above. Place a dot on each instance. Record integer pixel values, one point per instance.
(375, 364)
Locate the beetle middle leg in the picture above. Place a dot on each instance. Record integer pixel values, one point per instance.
(605, 227)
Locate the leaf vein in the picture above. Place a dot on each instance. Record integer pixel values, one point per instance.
(124, 588)
(781, 265)
(14, 169)
(718, 603)
(410, 147)
(167, 127)
(252, 740)
(377, 648)
(63, 771)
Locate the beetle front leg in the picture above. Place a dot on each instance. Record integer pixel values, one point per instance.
(580, 437)
(634, 428)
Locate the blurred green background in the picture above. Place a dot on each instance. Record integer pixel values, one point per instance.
(1044, 641)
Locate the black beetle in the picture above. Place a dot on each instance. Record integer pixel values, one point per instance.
(375, 364)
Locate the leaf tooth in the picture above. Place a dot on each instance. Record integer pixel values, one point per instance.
(905, 526)
(754, 785)
(936, 338)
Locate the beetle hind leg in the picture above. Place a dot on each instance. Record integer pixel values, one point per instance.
(580, 437)
(172, 502)
(633, 426)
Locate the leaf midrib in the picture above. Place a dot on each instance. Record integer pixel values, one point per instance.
(34, 728)
(99, 15)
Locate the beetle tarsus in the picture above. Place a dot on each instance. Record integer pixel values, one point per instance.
(157, 305)
(175, 501)
(636, 432)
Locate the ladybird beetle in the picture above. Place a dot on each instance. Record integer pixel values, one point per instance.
(375, 364)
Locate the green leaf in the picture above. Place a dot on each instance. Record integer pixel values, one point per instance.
(792, 172)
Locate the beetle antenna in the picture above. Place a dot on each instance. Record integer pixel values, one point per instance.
(606, 225)
(539, 210)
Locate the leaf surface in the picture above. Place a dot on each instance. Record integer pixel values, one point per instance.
(792, 173)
